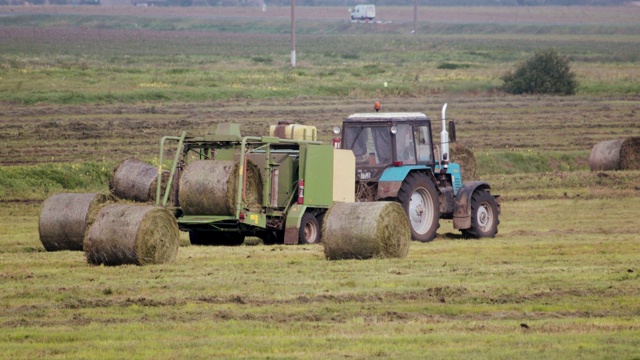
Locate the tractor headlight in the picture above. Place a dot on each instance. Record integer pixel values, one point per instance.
(336, 130)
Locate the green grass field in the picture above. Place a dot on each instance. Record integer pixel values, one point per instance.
(83, 88)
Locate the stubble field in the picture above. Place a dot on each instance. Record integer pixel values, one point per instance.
(82, 88)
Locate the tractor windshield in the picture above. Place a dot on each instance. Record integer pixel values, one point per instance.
(405, 148)
(371, 145)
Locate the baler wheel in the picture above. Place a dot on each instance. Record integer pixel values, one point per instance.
(309, 230)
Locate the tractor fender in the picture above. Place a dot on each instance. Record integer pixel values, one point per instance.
(391, 180)
(462, 208)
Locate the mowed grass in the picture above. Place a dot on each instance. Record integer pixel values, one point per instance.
(573, 280)
(81, 92)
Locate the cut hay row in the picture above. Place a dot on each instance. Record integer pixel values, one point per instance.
(136, 180)
(366, 230)
(209, 187)
(618, 154)
(132, 234)
(64, 217)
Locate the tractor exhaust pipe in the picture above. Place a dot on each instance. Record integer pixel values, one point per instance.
(444, 136)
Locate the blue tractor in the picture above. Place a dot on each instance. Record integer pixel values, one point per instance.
(397, 160)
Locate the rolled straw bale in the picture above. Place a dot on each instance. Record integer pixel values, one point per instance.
(209, 187)
(366, 230)
(618, 154)
(462, 155)
(132, 234)
(63, 219)
(136, 180)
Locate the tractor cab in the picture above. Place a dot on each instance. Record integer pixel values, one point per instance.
(383, 140)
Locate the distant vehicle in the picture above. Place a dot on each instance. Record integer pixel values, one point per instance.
(363, 12)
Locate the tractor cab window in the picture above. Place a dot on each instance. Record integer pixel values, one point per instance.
(424, 148)
(371, 145)
(405, 145)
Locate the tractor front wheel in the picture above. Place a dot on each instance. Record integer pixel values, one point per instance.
(419, 198)
(484, 216)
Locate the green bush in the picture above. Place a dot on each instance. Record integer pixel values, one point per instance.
(544, 73)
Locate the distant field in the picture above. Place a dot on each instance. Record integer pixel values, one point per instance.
(573, 15)
(83, 88)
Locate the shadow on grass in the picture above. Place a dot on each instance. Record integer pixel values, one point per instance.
(454, 236)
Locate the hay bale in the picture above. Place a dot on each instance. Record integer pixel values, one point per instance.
(63, 219)
(462, 155)
(366, 230)
(618, 154)
(132, 234)
(136, 180)
(209, 187)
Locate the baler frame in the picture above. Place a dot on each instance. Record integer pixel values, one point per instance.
(275, 221)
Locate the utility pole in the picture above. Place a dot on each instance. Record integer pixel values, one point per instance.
(415, 16)
(293, 33)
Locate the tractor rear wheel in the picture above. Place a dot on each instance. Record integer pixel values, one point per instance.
(419, 198)
(309, 229)
(484, 216)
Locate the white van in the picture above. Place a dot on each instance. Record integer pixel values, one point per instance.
(363, 12)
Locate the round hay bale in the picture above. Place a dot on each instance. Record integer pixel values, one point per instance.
(366, 230)
(618, 154)
(462, 155)
(630, 154)
(132, 234)
(209, 187)
(63, 219)
(136, 180)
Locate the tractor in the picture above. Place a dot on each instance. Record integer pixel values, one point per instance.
(295, 179)
(396, 160)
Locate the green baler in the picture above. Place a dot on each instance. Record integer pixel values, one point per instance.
(219, 204)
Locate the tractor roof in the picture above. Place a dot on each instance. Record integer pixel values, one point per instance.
(404, 116)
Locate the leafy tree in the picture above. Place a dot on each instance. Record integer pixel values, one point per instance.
(546, 72)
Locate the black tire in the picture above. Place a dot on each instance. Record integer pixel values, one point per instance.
(309, 230)
(199, 237)
(484, 216)
(320, 219)
(419, 198)
(215, 238)
(230, 239)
